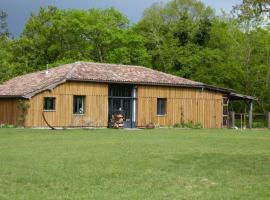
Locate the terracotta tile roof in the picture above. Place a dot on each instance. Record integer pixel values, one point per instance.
(24, 85)
(30, 84)
(125, 73)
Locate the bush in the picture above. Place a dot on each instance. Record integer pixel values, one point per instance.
(23, 107)
(189, 124)
(7, 126)
(260, 124)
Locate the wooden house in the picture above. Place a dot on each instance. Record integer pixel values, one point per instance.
(84, 94)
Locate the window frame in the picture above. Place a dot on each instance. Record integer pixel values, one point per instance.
(54, 104)
(159, 107)
(75, 98)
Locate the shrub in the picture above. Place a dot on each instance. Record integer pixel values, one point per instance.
(23, 107)
(7, 126)
(260, 124)
(189, 124)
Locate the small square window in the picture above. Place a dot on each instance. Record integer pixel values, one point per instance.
(161, 106)
(79, 105)
(49, 104)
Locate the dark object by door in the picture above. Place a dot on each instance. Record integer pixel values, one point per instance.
(123, 107)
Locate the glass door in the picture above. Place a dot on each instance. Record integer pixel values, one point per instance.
(122, 107)
(121, 104)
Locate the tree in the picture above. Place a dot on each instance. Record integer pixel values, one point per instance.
(253, 9)
(3, 24)
(172, 33)
(5, 49)
(60, 36)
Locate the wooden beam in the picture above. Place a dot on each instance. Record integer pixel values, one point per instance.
(269, 120)
(250, 115)
(232, 119)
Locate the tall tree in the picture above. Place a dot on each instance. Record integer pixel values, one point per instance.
(6, 66)
(101, 35)
(171, 34)
(253, 9)
(3, 24)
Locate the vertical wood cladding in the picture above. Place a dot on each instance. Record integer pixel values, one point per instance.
(9, 112)
(191, 104)
(96, 106)
(183, 104)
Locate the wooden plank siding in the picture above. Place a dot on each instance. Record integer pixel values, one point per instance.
(96, 106)
(9, 112)
(198, 106)
(192, 104)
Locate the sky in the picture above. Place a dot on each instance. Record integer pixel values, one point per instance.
(20, 10)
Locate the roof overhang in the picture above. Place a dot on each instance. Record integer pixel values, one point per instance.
(199, 86)
(231, 93)
(12, 97)
(46, 88)
(235, 96)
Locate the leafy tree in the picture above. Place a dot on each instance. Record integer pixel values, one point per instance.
(5, 49)
(253, 9)
(55, 35)
(171, 32)
(202, 37)
(3, 24)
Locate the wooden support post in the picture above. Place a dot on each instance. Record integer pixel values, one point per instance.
(250, 115)
(244, 121)
(241, 117)
(269, 120)
(232, 119)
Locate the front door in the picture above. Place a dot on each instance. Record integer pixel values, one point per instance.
(123, 107)
(122, 101)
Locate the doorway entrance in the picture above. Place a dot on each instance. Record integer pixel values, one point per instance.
(122, 102)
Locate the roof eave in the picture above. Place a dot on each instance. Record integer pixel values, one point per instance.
(236, 96)
(48, 87)
(12, 97)
(52, 86)
(201, 86)
(219, 89)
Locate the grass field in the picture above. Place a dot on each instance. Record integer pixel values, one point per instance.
(141, 164)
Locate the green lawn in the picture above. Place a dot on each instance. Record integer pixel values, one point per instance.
(141, 164)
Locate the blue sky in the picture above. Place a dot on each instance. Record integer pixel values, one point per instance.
(19, 10)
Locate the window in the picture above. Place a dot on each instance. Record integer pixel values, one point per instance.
(49, 104)
(78, 105)
(161, 106)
